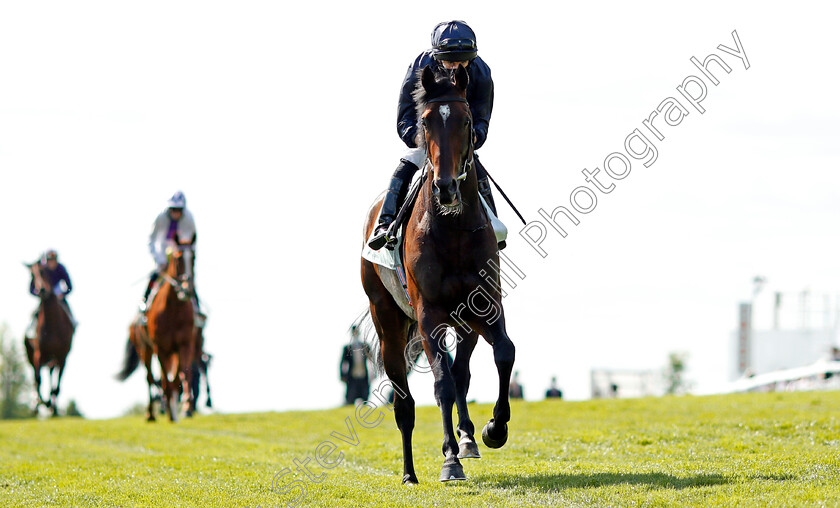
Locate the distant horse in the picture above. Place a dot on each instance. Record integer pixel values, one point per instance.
(447, 249)
(140, 348)
(201, 362)
(169, 333)
(53, 340)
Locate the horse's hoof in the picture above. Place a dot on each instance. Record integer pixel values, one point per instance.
(174, 410)
(410, 479)
(467, 448)
(489, 440)
(452, 471)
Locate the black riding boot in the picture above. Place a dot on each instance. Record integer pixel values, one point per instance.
(397, 191)
(144, 304)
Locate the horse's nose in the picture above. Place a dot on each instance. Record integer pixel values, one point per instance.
(446, 191)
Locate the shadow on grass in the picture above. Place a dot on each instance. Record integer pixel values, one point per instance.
(554, 482)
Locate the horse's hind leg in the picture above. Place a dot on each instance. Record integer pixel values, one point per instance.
(195, 385)
(433, 332)
(467, 448)
(392, 328)
(204, 368)
(33, 353)
(495, 433)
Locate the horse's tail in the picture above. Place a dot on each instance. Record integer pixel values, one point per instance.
(130, 363)
(367, 332)
(414, 347)
(368, 336)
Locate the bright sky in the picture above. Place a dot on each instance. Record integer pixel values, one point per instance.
(278, 123)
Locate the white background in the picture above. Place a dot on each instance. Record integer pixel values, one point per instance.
(279, 125)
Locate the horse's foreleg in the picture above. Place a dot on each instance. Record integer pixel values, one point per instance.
(185, 374)
(467, 448)
(495, 433)
(168, 375)
(57, 388)
(150, 380)
(433, 334)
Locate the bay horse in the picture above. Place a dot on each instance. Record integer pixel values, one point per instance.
(53, 339)
(169, 333)
(200, 365)
(447, 249)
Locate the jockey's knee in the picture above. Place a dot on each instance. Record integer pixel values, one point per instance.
(415, 156)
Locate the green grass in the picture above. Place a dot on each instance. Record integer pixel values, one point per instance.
(735, 450)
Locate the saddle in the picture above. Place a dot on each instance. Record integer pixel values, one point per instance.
(390, 257)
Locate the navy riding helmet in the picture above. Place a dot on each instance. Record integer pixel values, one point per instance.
(454, 41)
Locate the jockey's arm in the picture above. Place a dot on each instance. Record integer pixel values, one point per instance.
(155, 248)
(407, 109)
(64, 276)
(186, 229)
(481, 101)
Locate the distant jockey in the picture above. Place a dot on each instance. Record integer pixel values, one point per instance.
(56, 274)
(175, 224)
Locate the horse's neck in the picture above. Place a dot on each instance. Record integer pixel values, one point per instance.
(52, 311)
(50, 304)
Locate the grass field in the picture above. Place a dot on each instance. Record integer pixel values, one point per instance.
(735, 450)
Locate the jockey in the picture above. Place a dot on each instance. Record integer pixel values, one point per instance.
(453, 44)
(56, 274)
(176, 223)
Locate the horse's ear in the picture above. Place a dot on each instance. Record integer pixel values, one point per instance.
(427, 79)
(462, 79)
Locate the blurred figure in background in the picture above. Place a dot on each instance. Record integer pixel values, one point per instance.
(516, 391)
(59, 279)
(553, 392)
(353, 368)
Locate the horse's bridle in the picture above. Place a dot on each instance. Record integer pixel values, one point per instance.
(468, 163)
(176, 284)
